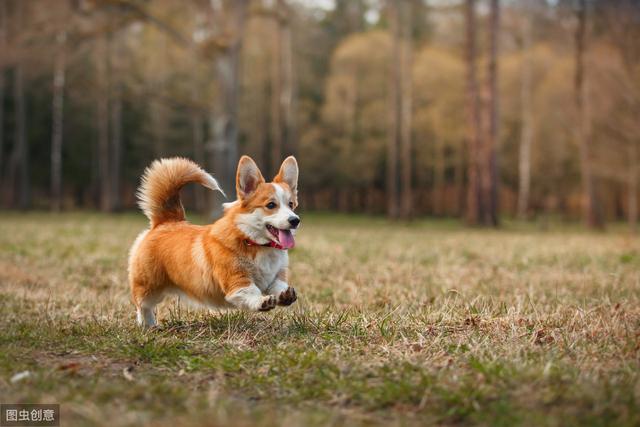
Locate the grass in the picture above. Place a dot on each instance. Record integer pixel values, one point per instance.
(427, 323)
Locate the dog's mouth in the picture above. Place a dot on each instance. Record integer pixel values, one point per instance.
(283, 237)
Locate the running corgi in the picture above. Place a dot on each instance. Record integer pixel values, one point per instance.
(241, 260)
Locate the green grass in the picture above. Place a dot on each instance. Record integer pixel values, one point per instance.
(425, 323)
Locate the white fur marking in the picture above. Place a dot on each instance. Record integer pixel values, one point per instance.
(281, 218)
(200, 259)
(277, 287)
(212, 184)
(269, 264)
(247, 298)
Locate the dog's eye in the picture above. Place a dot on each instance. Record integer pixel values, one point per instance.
(291, 205)
(271, 205)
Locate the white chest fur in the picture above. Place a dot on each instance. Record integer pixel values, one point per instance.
(267, 265)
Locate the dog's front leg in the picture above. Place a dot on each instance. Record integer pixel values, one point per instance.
(250, 298)
(280, 288)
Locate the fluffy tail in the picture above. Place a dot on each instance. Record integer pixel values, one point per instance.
(158, 195)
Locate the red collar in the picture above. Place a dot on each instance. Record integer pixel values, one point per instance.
(271, 244)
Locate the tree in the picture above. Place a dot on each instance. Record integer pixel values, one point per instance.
(102, 119)
(406, 14)
(116, 53)
(482, 122)
(526, 133)
(3, 47)
(490, 172)
(281, 86)
(58, 120)
(21, 143)
(223, 145)
(591, 204)
(475, 204)
(399, 142)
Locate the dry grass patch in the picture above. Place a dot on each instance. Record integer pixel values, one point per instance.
(396, 325)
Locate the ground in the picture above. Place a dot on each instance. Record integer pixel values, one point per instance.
(427, 323)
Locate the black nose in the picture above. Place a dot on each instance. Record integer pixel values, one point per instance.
(294, 221)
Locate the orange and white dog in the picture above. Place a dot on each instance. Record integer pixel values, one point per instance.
(240, 260)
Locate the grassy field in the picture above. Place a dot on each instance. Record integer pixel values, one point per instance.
(429, 323)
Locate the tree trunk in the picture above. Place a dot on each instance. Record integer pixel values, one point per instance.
(288, 96)
(281, 88)
(474, 203)
(591, 206)
(439, 178)
(395, 108)
(158, 108)
(102, 63)
(22, 148)
(459, 179)
(633, 186)
(405, 15)
(224, 126)
(21, 143)
(526, 134)
(58, 122)
(116, 145)
(115, 55)
(491, 142)
(3, 44)
(197, 134)
(159, 125)
(276, 96)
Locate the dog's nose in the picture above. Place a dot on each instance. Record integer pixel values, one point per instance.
(294, 221)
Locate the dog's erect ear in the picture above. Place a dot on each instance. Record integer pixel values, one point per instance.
(289, 174)
(248, 177)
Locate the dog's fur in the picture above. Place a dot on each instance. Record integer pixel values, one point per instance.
(226, 263)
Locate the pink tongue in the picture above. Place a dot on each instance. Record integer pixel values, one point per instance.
(286, 239)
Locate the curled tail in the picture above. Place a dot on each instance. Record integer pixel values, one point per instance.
(158, 195)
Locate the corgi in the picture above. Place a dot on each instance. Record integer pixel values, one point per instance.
(241, 260)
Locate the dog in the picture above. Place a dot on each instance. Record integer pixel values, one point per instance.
(241, 260)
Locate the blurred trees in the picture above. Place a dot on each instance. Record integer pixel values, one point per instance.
(465, 108)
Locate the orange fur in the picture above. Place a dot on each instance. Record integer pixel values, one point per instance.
(205, 263)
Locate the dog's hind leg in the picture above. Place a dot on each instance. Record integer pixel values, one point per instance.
(145, 306)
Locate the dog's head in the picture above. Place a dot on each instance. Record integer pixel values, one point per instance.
(264, 211)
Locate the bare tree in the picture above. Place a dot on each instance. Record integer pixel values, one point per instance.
(395, 100)
(526, 133)
(21, 143)
(633, 176)
(59, 73)
(276, 93)
(474, 199)
(288, 95)
(3, 46)
(492, 120)
(439, 180)
(281, 86)
(102, 117)
(591, 206)
(223, 118)
(116, 54)
(405, 14)
(197, 134)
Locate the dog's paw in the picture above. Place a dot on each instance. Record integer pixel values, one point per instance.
(287, 297)
(268, 303)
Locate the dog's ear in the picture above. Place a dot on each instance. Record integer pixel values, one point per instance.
(289, 174)
(248, 177)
